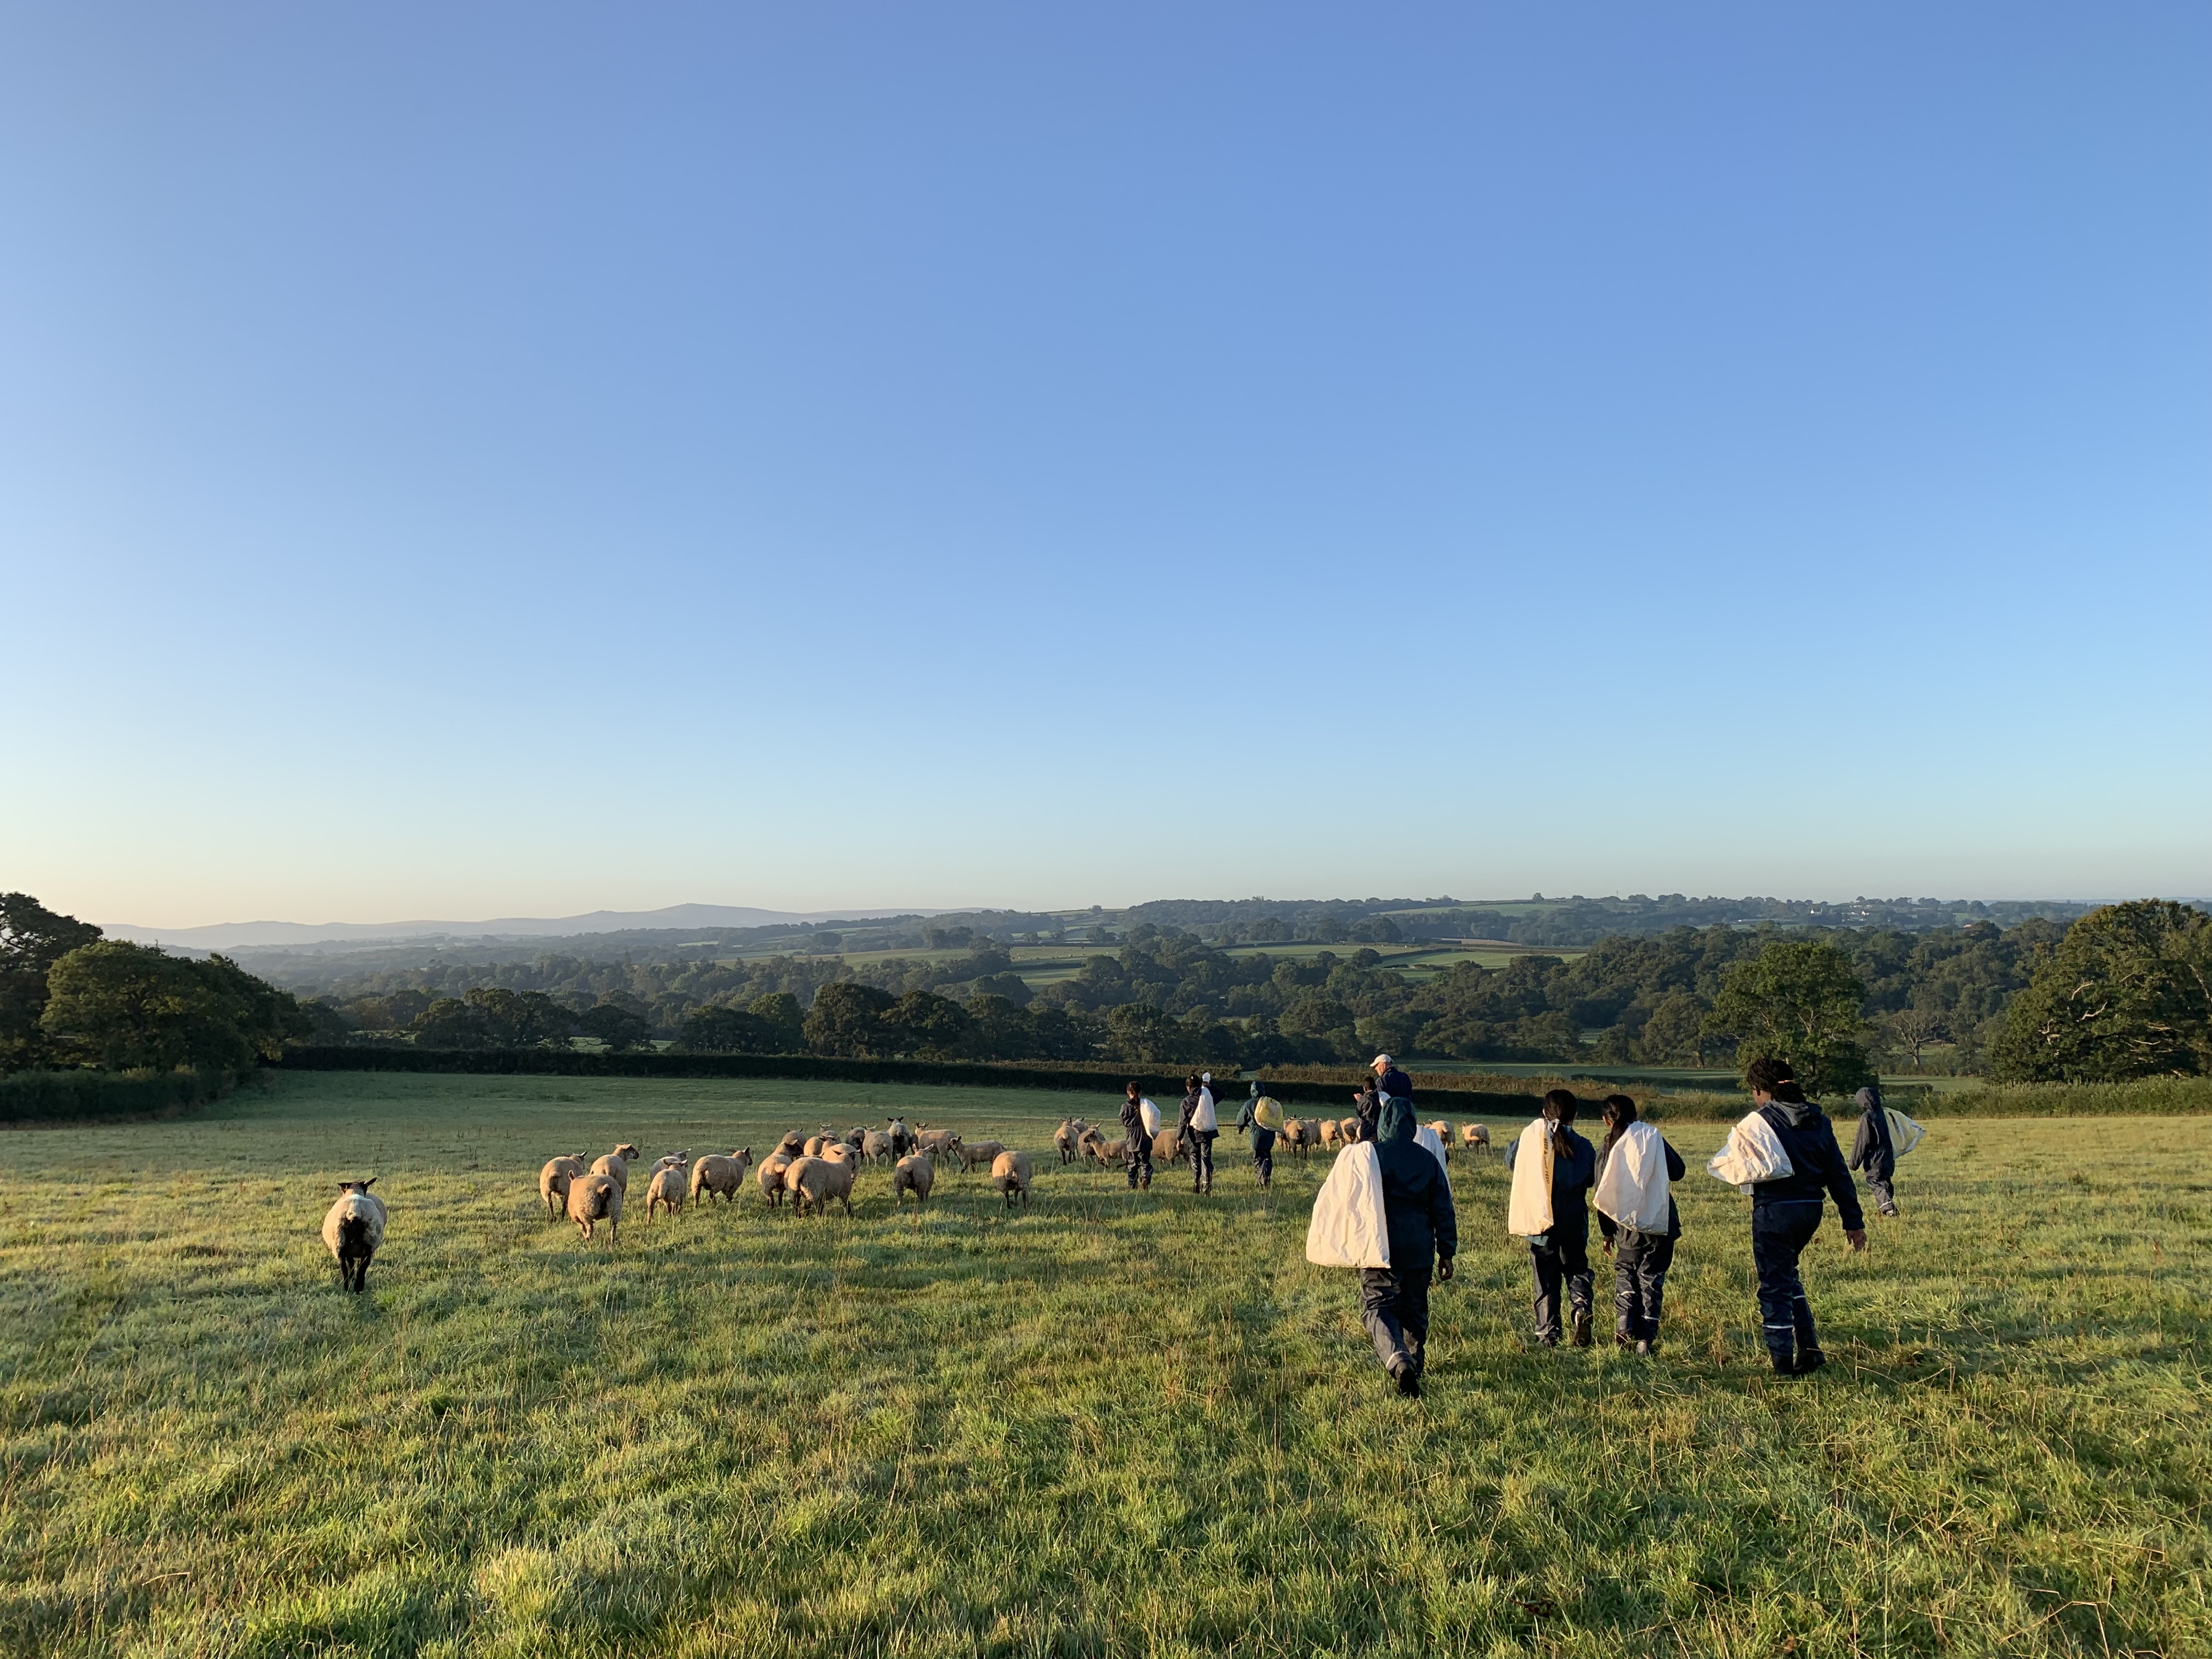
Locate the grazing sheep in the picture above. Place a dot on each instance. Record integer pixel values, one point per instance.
(971, 1153)
(615, 1165)
(553, 1182)
(914, 1174)
(813, 1181)
(901, 1134)
(1113, 1152)
(671, 1182)
(772, 1170)
(1068, 1138)
(353, 1229)
(1010, 1173)
(877, 1144)
(1349, 1128)
(715, 1173)
(1443, 1137)
(1332, 1132)
(595, 1198)
(1090, 1146)
(1476, 1134)
(938, 1143)
(1167, 1147)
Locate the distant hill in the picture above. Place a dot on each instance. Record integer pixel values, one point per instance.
(237, 935)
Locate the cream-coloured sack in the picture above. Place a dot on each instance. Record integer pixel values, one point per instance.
(1348, 1229)
(1528, 1214)
(1904, 1133)
(1632, 1189)
(1427, 1136)
(1752, 1153)
(1149, 1115)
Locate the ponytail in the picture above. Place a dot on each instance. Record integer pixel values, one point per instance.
(1618, 1112)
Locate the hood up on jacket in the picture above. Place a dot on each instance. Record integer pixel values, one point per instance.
(1867, 1100)
(1397, 1124)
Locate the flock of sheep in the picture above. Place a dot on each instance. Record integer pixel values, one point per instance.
(810, 1170)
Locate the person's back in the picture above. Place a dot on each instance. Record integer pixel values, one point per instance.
(1817, 1169)
(1424, 1231)
(1874, 1152)
(1559, 1257)
(1416, 1202)
(1786, 1214)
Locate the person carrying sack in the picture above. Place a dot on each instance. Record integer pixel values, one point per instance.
(1873, 1152)
(1137, 1139)
(1635, 1201)
(1786, 1212)
(1252, 1116)
(1424, 1231)
(1197, 1130)
(1552, 1168)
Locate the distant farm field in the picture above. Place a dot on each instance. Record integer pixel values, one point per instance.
(1114, 1423)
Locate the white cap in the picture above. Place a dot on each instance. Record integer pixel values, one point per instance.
(1380, 1060)
(1205, 1077)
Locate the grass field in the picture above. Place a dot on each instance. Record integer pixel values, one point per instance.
(1116, 1423)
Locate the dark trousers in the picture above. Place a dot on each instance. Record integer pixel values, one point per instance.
(1141, 1160)
(1640, 1261)
(1779, 1233)
(1263, 1155)
(1562, 1258)
(1879, 1172)
(1394, 1307)
(1199, 1142)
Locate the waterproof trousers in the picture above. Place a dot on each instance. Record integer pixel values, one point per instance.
(1263, 1155)
(1566, 1259)
(1779, 1234)
(1200, 1144)
(1140, 1161)
(1394, 1307)
(1640, 1261)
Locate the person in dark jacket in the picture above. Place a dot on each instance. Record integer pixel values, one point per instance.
(1563, 1254)
(1196, 1131)
(1367, 1107)
(1389, 1080)
(1138, 1139)
(1786, 1214)
(1640, 1259)
(1263, 1138)
(1873, 1152)
(1423, 1229)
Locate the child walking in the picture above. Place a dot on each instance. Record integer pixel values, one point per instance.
(1558, 1248)
(1636, 1212)
(1873, 1153)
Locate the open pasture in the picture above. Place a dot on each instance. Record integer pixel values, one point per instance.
(1114, 1423)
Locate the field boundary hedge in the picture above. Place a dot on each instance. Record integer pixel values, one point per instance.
(53, 1097)
(964, 1073)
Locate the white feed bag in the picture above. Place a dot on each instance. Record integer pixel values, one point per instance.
(1904, 1133)
(1633, 1190)
(1348, 1229)
(1752, 1153)
(1151, 1115)
(1529, 1213)
(1427, 1136)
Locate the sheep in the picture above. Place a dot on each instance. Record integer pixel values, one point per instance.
(877, 1144)
(815, 1144)
(615, 1165)
(1294, 1135)
(902, 1140)
(1068, 1138)
(914, 1174)
(1111, 1151)
(672, 1179)
(1349, 1128)
(1443, 1137)
(595, 1198)
(553, 1182)
(938, 1143)
(1010, 1173)
(1475, 1134)
(971, 1153)
(792, 1144)
(353, 1229)
(1167, 1146)
(1332, 1132)
(715, 1173)
(771, 1175)
(813, 1181)
(856, 1137)
(1090, 1145)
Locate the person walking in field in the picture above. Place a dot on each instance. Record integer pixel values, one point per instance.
(1560, 1254)
(1424, 1232)
(1391, 1082)
(1263, 1138)
(1786, 1213)
(1635, 1201)
(1873, 1153)
(1138, 1139)
(1197, 1130)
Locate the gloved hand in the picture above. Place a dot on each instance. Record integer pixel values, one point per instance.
(1444, 1268)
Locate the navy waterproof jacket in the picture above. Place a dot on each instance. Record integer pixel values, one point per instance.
(1417, 1201)
(1395, 1082)
(1816, 1162)
(1873, 1151)
(1574, 1171)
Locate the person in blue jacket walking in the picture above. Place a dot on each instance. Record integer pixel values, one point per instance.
(1786, 1214)
(1563, 1254)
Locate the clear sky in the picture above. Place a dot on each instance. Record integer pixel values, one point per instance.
(513, 459)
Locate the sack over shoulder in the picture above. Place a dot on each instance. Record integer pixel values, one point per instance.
(1348, 1229)
(1904, 1133)
(1528, 1211)
(1752, 1153)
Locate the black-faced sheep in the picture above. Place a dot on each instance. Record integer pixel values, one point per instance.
(714, 1174)
(353, 1229)
(901, 1134)
(913, 1174)
(553, 1182)
(1010, 1173)
(594, 1198)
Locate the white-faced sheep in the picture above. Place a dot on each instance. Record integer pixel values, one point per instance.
(615, 1165)
(592, 1199)
(1010, 1173)
(975, 1153)
(671, 1180)
(772, 1170)
(914, 1174)
(553, 1182)
(813, 1181)
(714, 1174)
(1332, 1133)
(353, 1229)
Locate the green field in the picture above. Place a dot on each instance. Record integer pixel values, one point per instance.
(1115, 1424)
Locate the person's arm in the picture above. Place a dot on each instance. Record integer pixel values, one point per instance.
(1861, 1143)
(1675, 1167)
(1443, 1223)
(1844, 1189)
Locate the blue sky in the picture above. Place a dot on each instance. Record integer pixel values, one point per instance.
(516, 459)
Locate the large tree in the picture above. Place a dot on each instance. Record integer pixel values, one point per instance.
(2127, 993)
(32, 939)
(848, 1020)
(1798, 1000)
(123, 1006)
